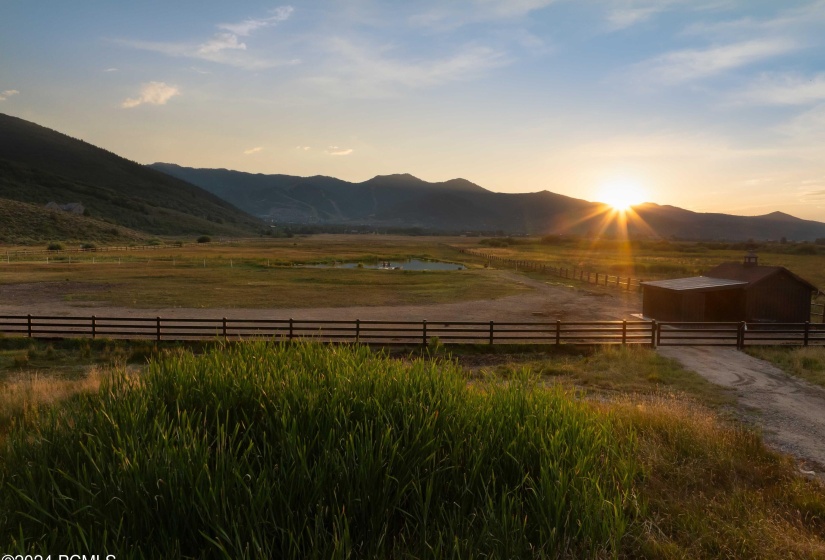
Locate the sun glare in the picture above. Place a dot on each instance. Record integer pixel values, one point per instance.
(621, 195)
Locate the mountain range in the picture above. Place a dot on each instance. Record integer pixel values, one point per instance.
(39, 166)
(459, 205)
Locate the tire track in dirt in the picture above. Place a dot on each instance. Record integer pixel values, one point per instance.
(790, 411)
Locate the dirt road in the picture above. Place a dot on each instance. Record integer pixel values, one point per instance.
(790, 411)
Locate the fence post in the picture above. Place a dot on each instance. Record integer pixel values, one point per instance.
(807, 333)
(158, 329)
(29, 321)
(624, 333)
(357, 331)
(740, 335)
(424, 332)
(94, 327)
(491, 332)
(290, 328)
(223, 326)
(558, 332)
(654, 327)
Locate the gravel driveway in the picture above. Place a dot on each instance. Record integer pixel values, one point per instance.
(790, 411)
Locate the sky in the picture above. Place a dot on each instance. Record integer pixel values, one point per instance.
(710, 105)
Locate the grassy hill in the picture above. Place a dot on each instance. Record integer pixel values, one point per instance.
(23, 223)
(39, 165)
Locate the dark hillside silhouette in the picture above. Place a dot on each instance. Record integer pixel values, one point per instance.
(39, 165)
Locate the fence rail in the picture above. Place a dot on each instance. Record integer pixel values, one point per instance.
(417, 332)
(627, 283)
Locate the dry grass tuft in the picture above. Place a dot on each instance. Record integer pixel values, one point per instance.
(21, 398)
(713, 490)
(806, 362)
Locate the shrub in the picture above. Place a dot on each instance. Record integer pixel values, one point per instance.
(88, 246)
(204, 239)
(55, 246)
(804, 249)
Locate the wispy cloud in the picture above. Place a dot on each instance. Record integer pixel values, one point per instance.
(303, 148)
(111, 70)
(247, 26)
(219, 42)
(367, 71)
(153, 93)
(621, 18)
(784, 89)
(237, 57)
(254, 150)
(622, 14)
(224, 47)
(336, 151)
(692, 64)
(451, 15)
(8, 93)
(798, 18)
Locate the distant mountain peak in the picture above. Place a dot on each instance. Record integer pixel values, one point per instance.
(779, 216)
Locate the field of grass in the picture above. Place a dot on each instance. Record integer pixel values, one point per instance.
(649, 260)
(607, 371)
(142, 285)
(258, 273)
(304, 451)
(301, 249)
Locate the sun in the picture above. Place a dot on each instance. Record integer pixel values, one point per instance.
(621, 195)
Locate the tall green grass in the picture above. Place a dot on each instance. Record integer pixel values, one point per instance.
(260, 450)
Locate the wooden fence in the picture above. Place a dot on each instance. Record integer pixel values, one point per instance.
(20, 254)
(573, 273)
(416, 332)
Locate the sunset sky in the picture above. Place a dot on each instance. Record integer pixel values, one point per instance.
(711, 105)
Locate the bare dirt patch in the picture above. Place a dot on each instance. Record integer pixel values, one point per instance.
(544, 301)
(790, 411)
(33, 294)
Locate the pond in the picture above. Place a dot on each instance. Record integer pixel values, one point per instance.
(410, 264)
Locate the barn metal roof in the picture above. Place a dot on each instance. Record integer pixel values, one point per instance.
(753, 274)
(696, 283)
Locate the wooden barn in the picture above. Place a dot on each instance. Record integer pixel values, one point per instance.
(731, 291)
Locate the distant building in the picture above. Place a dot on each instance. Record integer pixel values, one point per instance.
(731, 291)
(71, 207)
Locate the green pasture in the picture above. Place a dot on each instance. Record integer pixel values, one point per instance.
(657, 259)
(141, 285)
(259, 274)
